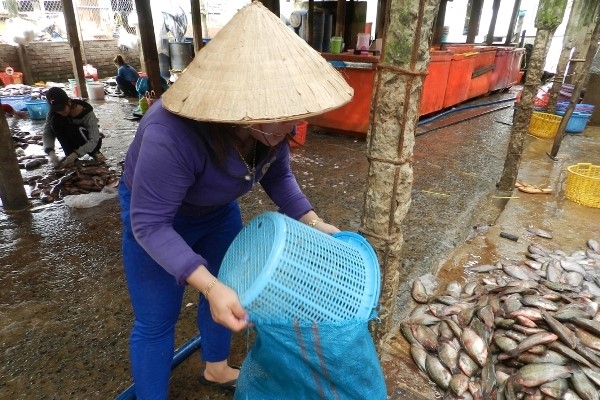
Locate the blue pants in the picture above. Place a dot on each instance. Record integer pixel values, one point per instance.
(127, 87)
(157, 298)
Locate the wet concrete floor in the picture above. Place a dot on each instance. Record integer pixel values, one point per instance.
(65, 308)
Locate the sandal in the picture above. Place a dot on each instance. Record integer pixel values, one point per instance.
(229, 385)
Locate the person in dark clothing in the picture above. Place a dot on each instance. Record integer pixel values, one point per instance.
(73, 123)
(127, 77)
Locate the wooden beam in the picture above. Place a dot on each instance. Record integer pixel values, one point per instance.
(12, 191)
(381, 21)
(490, 35)
(146, 27)
(474, 20)
(438, 28)
(25, 65)
(340, 18)
(273, 6)
(513, 22)
(197, 25)
(311, 18)
(75, 44)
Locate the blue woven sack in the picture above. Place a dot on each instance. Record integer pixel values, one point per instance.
(333, 360)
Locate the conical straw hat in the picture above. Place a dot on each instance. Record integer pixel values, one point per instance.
(256, 70)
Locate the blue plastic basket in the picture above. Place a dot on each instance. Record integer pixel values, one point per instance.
(581, 107)
(284, 270)
(16, 102)
(38, 109)
(577, 122)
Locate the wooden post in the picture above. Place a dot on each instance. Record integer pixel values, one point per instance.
(490, 35)
(390, 141)
(146, 27)
(382, 13)
(513, 22)
(548, 17)
(273, 6)
(25, 65)
(474, 20)
(438, 28)
(12, 191)
(197, 25)
(73, 37)
(311, 18)
(581, 79)
(139, 40)
(340, 18)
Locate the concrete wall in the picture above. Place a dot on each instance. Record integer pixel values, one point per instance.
(51, 61)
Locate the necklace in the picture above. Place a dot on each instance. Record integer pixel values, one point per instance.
(251, 171)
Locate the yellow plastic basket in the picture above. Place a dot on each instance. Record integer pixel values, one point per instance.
(583, 184)
(544, 125)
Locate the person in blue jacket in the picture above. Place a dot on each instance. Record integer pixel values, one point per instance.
(127, 77)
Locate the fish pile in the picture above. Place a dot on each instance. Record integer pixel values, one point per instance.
(83, 178)
(522, 331)
(17, 89)
(23, 139)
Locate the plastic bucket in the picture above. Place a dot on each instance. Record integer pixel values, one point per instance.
(38, 109)
(181, 54)
(336, 44)
(363, 41)
(95, 90)
(284, 271)
(74, 88)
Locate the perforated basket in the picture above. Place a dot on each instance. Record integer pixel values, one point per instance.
(583, 184)
(284, 271)
(544, 125)
(38, 109)
(577, 122)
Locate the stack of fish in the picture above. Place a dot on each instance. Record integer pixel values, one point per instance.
(528, 331)
(83, 178)
(17, 89)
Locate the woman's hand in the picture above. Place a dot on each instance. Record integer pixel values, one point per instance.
(312, 219)
(326, 228)
(225, 307)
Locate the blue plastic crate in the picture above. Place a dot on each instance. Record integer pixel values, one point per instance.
(38, 109)
(16, 102)
(284, 270)
(581, 107)
(577, 122)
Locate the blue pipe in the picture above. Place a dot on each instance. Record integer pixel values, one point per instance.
(489, 103)
(180, 355)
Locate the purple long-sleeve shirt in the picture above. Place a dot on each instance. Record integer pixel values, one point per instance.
(170, 171)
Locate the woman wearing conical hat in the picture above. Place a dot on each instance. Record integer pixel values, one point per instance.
(220, 129)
